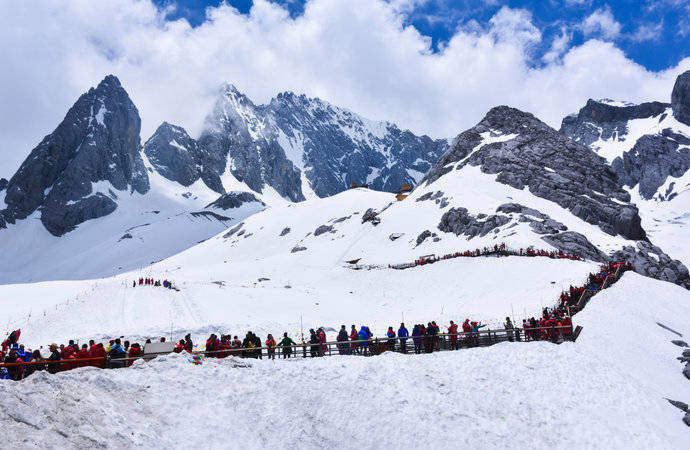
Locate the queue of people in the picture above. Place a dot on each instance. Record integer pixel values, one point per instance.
(496, 250)
(56, 358)
(555, 324)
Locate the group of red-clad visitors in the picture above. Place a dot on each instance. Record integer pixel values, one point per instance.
(153, 282)
(65, 357)
(496, 250)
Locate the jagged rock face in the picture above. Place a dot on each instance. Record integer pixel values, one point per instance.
(98, 141)
(459, 222)
(3, 183)
(575, 244)
(651, 261)
(177, 157)
(234, 199)
(652, 160)
(235, 132)
(680, 98)
(275, 144)
(339, 147)
(601, 120)
(534, 155)
(649, 159)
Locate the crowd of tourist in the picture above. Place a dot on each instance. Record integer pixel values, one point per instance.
(496, 250)
(153, 282)
(115, 353)
(555, 324)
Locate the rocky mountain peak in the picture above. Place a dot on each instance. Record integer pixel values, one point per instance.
(97, 141)
(680, 98)
(524, 152)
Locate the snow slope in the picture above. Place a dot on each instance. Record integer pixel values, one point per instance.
(614, 147)
(143, 229)
(606, 390)
(220, 287)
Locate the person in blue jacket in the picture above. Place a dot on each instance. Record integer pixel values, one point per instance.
(475, 331)
(363, 335)
(417, 339)
(390, 334)
(402, 335)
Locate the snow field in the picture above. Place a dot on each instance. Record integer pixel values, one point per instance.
(605, 391)
(237, 302)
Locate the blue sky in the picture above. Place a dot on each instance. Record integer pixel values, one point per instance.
(655, 34)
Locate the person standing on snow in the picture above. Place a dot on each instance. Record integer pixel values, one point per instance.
(354, 336)
(286, 344)
(271, 344)
(54, 356)
(315, 344)
(509, 329)
(363, 335)
(417, 339)
(391, 338)
(402, 335)
(322, 339)
(453, 331)
(343, 337)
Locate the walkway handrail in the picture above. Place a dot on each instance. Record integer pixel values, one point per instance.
(304, 346)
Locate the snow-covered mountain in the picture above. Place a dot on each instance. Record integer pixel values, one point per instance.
(645, 144)
(509, 179)
(97, 191)
(87, 202)
(301, 145)
(648, 148)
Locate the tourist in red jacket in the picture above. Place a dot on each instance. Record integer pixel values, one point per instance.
(134, 352)
(83, 353)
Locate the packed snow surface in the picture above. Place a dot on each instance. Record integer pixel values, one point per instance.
(607, 390)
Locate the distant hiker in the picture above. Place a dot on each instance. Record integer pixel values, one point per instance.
(354, 336)
(417, 339)
(453, 331)
(322, 339)
(285, 345)
(429, 338)
(402, 335)
(509, 329)
(188, 344)
(314, 340)
(475, 332)
(134, 284)
(436, 337)
(134, 352)
(212, 346)
(271, 345)
(35, 357)
(363, 336)
(391, 338)
(236, 344)
(257, 345)
(117, 354)
(83, 353)
(15, 372)
(343, 349)
(54, 356)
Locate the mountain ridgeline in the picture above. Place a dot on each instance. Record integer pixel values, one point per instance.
(291, 145)
(646, 144)
(98, 141)
(575, 185)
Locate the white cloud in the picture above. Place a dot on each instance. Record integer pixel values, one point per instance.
(578, 3)
(353, 53)
(558, 47)
(601, 23)
(648, 32)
